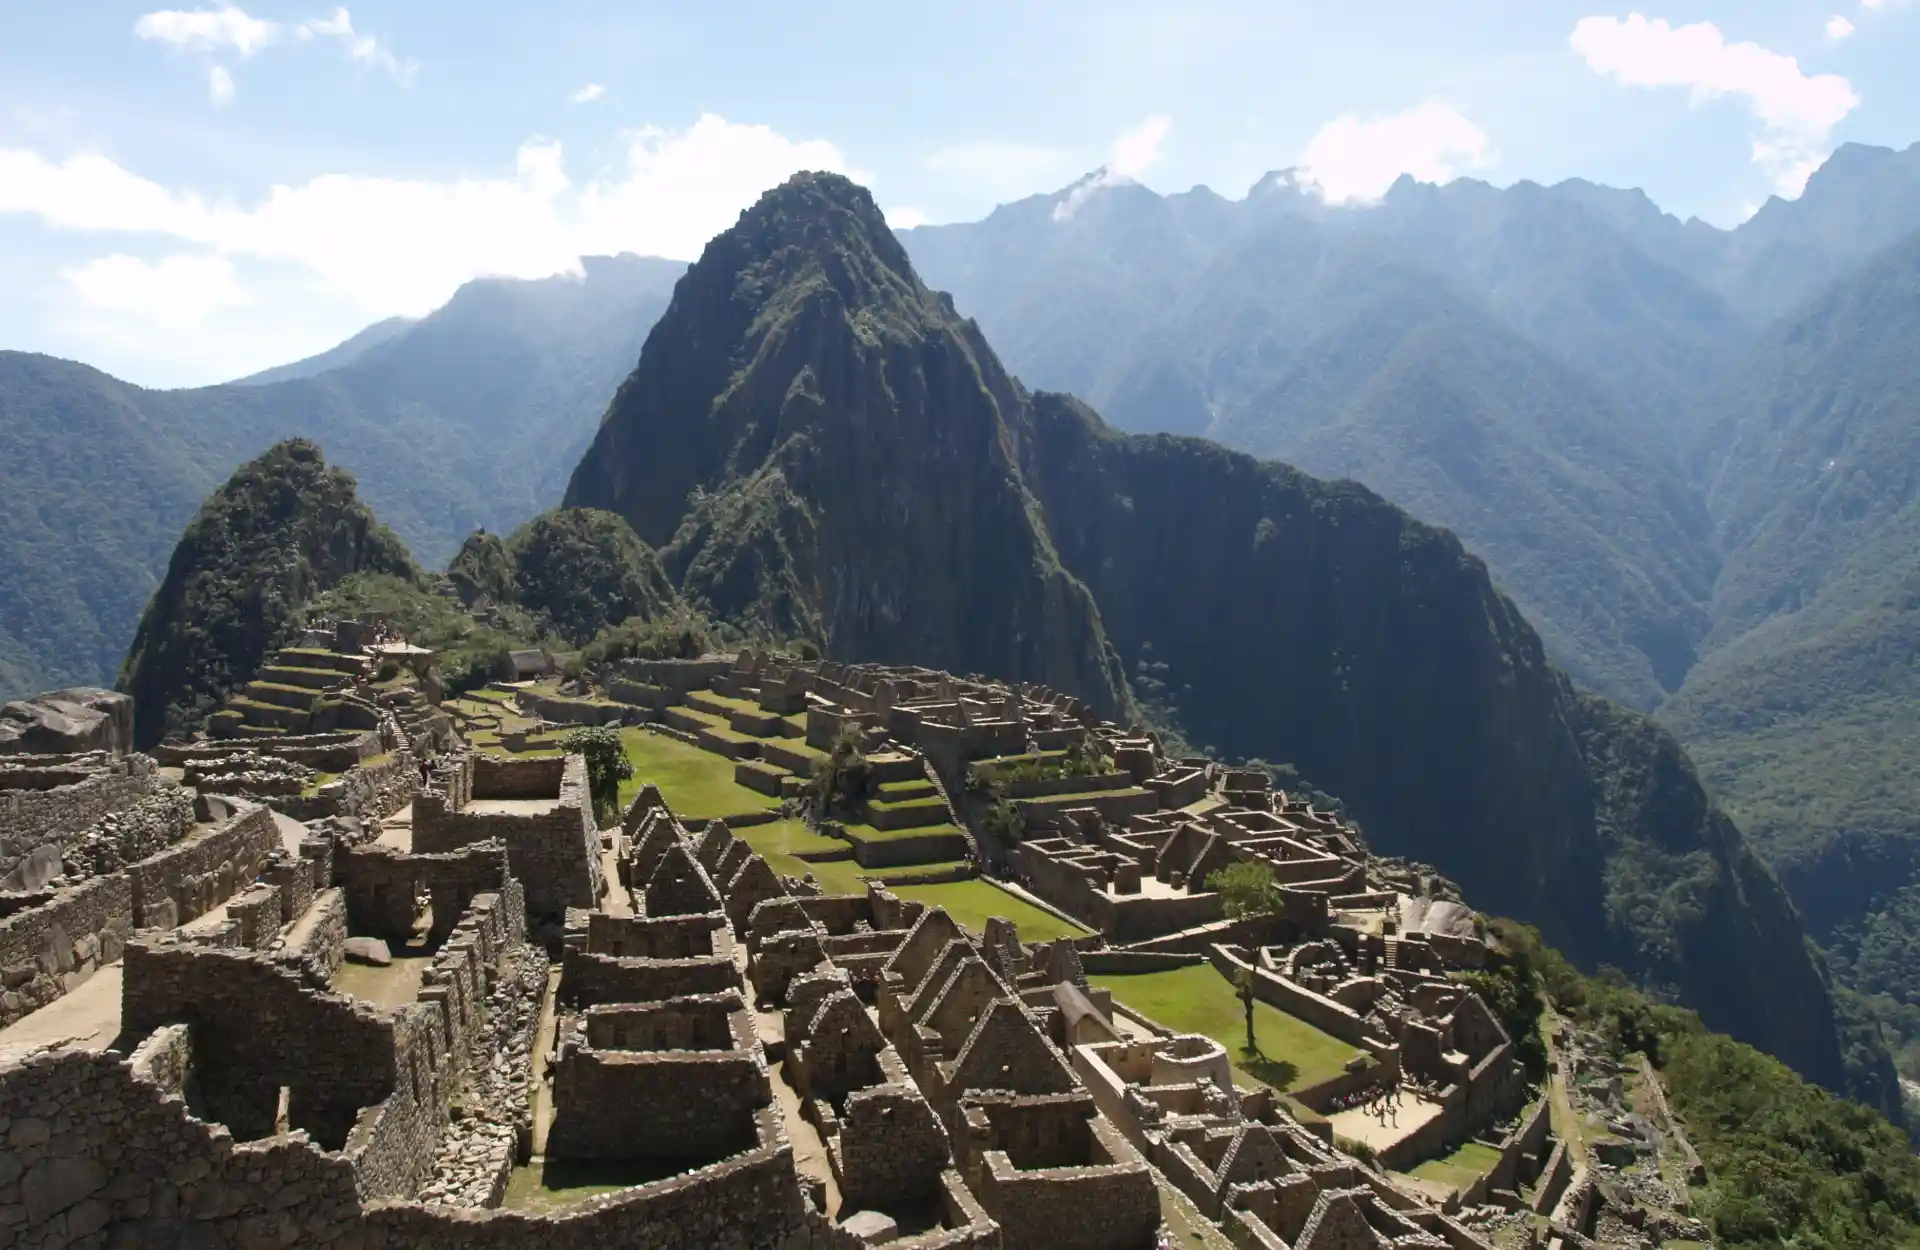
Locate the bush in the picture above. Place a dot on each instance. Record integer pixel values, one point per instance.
(607, 765)
(844, 779)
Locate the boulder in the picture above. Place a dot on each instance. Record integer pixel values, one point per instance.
(368, 950)
(871, 1227)
(67, 722)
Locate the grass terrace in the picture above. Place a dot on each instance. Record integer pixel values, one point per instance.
(971, 903)
(1460, 1167)
(1288, 1053)
(697, 784)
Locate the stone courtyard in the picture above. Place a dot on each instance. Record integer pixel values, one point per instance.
(280, 985)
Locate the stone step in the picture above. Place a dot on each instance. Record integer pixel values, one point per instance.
(907, 814)
(893, 766)
(297, 697)
(310, 678)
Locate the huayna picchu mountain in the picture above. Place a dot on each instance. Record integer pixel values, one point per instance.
(817, 443)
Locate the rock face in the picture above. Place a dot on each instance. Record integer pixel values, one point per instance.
(68, 722)
(284, 528)
(823, 447)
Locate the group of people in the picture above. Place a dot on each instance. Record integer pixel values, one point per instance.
(1382, 1102)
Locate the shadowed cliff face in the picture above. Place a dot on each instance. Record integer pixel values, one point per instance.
(822, 446)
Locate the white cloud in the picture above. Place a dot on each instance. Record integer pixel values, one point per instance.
(1354, 161)
(904, 218)
(1138, 150)
(1796, 113)
(589, 93)
(1133, 152)
(401, 246)
(365, 49)
(220, 86)
(1838, 27)
(178, 292)
(208, 30)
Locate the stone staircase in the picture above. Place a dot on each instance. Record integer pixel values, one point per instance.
(282, 699)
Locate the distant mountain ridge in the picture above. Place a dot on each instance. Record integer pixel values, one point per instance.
(334, 357)
(468, 418)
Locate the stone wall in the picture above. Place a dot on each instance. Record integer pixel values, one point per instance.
(318, 947)
(695, 1106)
(151, 825)
(1101, 1206)
(892, 1148)
(258, 1028)
(97, 1156)
(49, 950)
(190, 879)
(40, 806)
(554, 853)
(587, 979)
(382, 883)
(655, 937)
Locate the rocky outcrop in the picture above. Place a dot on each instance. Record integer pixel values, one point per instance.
(822, 447)
(67, 722)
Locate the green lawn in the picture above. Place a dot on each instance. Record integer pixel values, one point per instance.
(1289, 1054)
(867, 833)
(791, 837)
(697, 784)
(1460, 1168)
(971, 902)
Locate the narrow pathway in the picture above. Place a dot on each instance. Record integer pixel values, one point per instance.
(88, 1018)
(809, 1152)
(542, 1045)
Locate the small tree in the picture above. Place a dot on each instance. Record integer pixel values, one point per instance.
(1001, 821)
(842, 779)
(1243, 987)
(1247, 888)
(607, 765)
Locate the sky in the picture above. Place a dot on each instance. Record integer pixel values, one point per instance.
(191, 194)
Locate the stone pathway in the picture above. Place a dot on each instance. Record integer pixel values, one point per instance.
(542, 1045)
(396, 830)
(291, 832)
(809, 1152)
(88, 1018)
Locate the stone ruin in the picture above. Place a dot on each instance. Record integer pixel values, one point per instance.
(228, 1028)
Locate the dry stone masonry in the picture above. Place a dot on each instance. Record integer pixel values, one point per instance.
(492, 1022)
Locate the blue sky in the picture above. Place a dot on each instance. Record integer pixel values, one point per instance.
(189, 194)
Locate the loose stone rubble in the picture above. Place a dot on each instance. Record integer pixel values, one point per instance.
(643, 1035)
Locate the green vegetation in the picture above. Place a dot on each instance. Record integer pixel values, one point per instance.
(1288, 1053)
(842, 778)
(972, 903)
(1461, 1166)
(678, 634)
(472, 415)
(283, 529)
(697, 784)
(607, 765)
(1247, 888)
(1787, 1163)
(585, 571)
